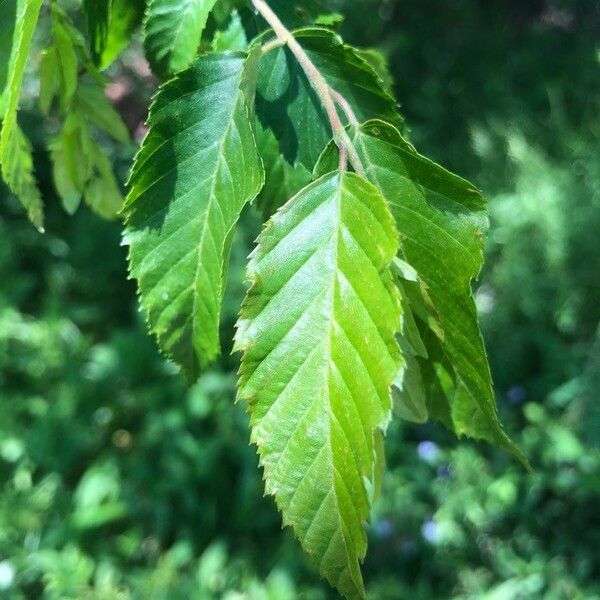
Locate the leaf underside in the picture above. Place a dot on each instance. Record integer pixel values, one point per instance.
(317, 332)
(196, 169)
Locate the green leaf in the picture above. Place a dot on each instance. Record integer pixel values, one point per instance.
(8, 19)
(283, 180)
(432, 380)
(93, 103)
(111, 24)
(317, 331)
(82, 169)
(408, 392)
(441, 219)
(274, 75)
(102, 193)
(414, 299)
(82, 50)
(66, 59)
(333, 19)
(287, 103)
(48, 79)
(379, 468)
(125, 17)
(231, 38)
(15, 151)
(197, 168)
(98, 17)
(70, 168)
(172, 33)
(223, 8)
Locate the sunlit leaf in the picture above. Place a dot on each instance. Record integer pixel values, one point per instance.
(441, 219)
(8, 19)
(172, 32)
(318, 334)
(15, 150)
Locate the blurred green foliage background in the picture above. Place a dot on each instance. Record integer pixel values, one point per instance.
(119, 482)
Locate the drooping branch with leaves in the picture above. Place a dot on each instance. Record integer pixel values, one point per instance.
(359, 306)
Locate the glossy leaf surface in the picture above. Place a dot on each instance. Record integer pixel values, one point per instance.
(172, 32)
(197, 168)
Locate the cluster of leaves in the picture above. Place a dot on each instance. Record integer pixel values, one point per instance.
(360, 293)
(78, 104)
(119, 483)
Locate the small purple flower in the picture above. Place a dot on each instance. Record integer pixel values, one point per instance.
(428, 451)
(430, 531)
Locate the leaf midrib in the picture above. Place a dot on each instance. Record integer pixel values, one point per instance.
(328, 295)
(212, 197)
(331, 415)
